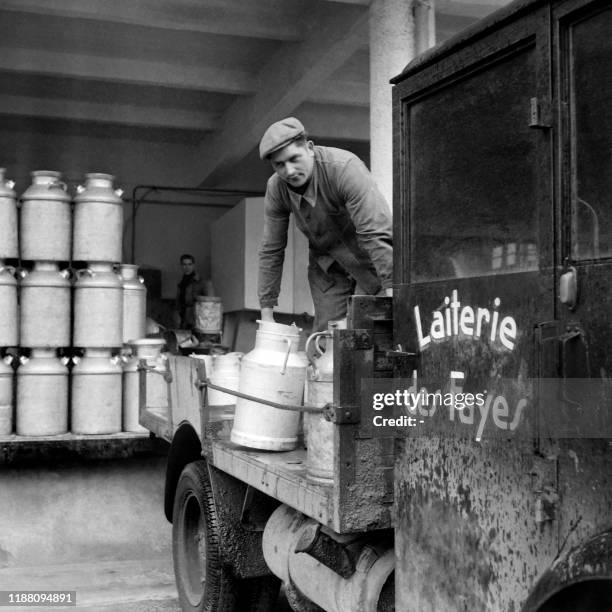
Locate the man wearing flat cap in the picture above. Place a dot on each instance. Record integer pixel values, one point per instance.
(338, 207)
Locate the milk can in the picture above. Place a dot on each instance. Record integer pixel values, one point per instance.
(319, 391)
(148, 349)
(45, 218)
(9, 316)
(131, 395)
(42, 395)
(45, 306)
(98, 220)
(96, 393)
(225, 373)
(134, 303)
(98, 307)
(6, 396)
(8, 219)
(275, 371)
(208, 314)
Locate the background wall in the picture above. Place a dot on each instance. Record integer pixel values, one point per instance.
(83, 511)
(165, 231)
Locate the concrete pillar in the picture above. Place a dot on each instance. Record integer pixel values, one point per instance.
(399, 29)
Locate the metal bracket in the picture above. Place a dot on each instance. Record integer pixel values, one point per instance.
(544, 483)
(248, 504)
(404, 362)
(358, 342)
(342, 414)
(167, 374)
(574, 352)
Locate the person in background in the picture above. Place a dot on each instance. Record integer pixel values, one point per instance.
(337, 205)
(190, 286)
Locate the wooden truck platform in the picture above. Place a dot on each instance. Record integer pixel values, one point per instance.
(361, 496)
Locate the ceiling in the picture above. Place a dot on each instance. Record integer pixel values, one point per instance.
(213, 73)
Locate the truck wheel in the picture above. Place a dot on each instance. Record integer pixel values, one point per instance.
(386, 602)
(203, 583)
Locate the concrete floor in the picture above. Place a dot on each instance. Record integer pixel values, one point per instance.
(91, 526)
(102, 585)
(126, 586)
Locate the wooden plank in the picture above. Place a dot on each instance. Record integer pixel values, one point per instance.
(365, 503)
(363, 467)
(157, 422)
(71, 437)
(185, 396)
(16, 449)
(279, 475)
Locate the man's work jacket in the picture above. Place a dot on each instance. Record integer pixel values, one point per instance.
(185, 300)
(343, 215)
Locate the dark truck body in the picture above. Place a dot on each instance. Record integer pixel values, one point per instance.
(503, 280)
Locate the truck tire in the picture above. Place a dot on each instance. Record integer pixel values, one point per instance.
(386, 602)
(203, 583)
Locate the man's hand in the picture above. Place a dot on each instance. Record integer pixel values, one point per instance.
(267, 315)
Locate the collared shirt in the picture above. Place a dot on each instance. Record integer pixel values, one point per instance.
(343, 215)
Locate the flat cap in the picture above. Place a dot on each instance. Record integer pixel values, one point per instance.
(280, 134)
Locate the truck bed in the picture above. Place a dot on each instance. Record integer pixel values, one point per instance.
(361, 495)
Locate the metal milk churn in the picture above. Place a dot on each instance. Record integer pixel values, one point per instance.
(9, 314)
(45, 306)
(149, 350)
(208, 314)
(98, 307)
(8, 219)
(273, 370)
(45, 218)
(134, 303)
(320, 391)
(225, 372)
(98, 220)
(131, 394)
(6, 396)
(42, 395)
(96, 393)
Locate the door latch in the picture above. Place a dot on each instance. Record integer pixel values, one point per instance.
(568, 288)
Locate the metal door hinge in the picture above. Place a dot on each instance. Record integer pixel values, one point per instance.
(540, 115)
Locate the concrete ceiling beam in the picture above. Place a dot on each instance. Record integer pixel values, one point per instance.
(473, 8)
(122, 114)
(286, 81)
(347, 93)
(139, 72)
(269, 20)
(361, 2)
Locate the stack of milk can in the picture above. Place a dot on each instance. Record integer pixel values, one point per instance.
(98, 307)
(9, 251)
(48, 400)
(44, 322)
